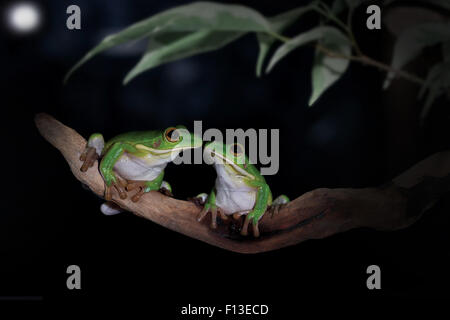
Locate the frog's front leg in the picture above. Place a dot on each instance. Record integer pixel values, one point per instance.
(92, 152)
(147, 186)
(109, 208)
(262, 199)
(106, 168)
(210, 206)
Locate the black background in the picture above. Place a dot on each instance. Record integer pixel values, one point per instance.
(48, 221)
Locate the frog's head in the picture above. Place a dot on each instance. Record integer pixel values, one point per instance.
(231, 156)
(171, 142)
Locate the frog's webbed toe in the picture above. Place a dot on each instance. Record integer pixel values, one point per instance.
(140, 185)
(166, 189)
(120, 187)
(199, 200)
(166, 192)
(89, 156)
(214, 211)
(244, 230)
(92, 152)
(209, 209)
(278, 204)
(274, 209)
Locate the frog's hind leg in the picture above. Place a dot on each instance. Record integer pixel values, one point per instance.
(141, 186)
(146, 186)
(109, 208)
(239, 214)
(263, 196)
(211, 207)
(199, 200)
(278, 203)
(92, 152)
(280, 200)
(166, 189)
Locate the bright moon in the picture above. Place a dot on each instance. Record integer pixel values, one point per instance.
(24, 17)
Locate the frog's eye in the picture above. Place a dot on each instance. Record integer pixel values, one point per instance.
(236, 150)
(172, 134)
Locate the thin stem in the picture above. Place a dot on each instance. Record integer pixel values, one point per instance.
(332, 17)
(404, 74)
(350, 17)
(360, 56)
(279, 36)
(369, 61)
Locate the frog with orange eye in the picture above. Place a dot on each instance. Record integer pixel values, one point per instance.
(240, 189)
(136, 160)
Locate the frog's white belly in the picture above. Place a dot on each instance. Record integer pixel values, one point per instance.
(233, 195)
(141, 169)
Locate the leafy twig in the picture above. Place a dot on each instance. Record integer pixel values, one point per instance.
(372, 62)
(360, 56)
(332, 17)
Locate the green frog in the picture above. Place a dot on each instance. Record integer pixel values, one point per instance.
(136, 160)
(240, 189)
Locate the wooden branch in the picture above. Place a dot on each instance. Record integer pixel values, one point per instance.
(299, 220)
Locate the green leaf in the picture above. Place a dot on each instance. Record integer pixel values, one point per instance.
(304, 38)
(413, 40)
(279, 23)
(264, 42)
(162, 51)
(192, 17)
(328, 69)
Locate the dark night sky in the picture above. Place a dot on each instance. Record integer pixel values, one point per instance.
(50, 221)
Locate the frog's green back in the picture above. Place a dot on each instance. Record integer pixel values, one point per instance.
(133, 137)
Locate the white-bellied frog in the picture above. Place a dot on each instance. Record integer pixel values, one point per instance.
(240, 189)
(139, 157)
